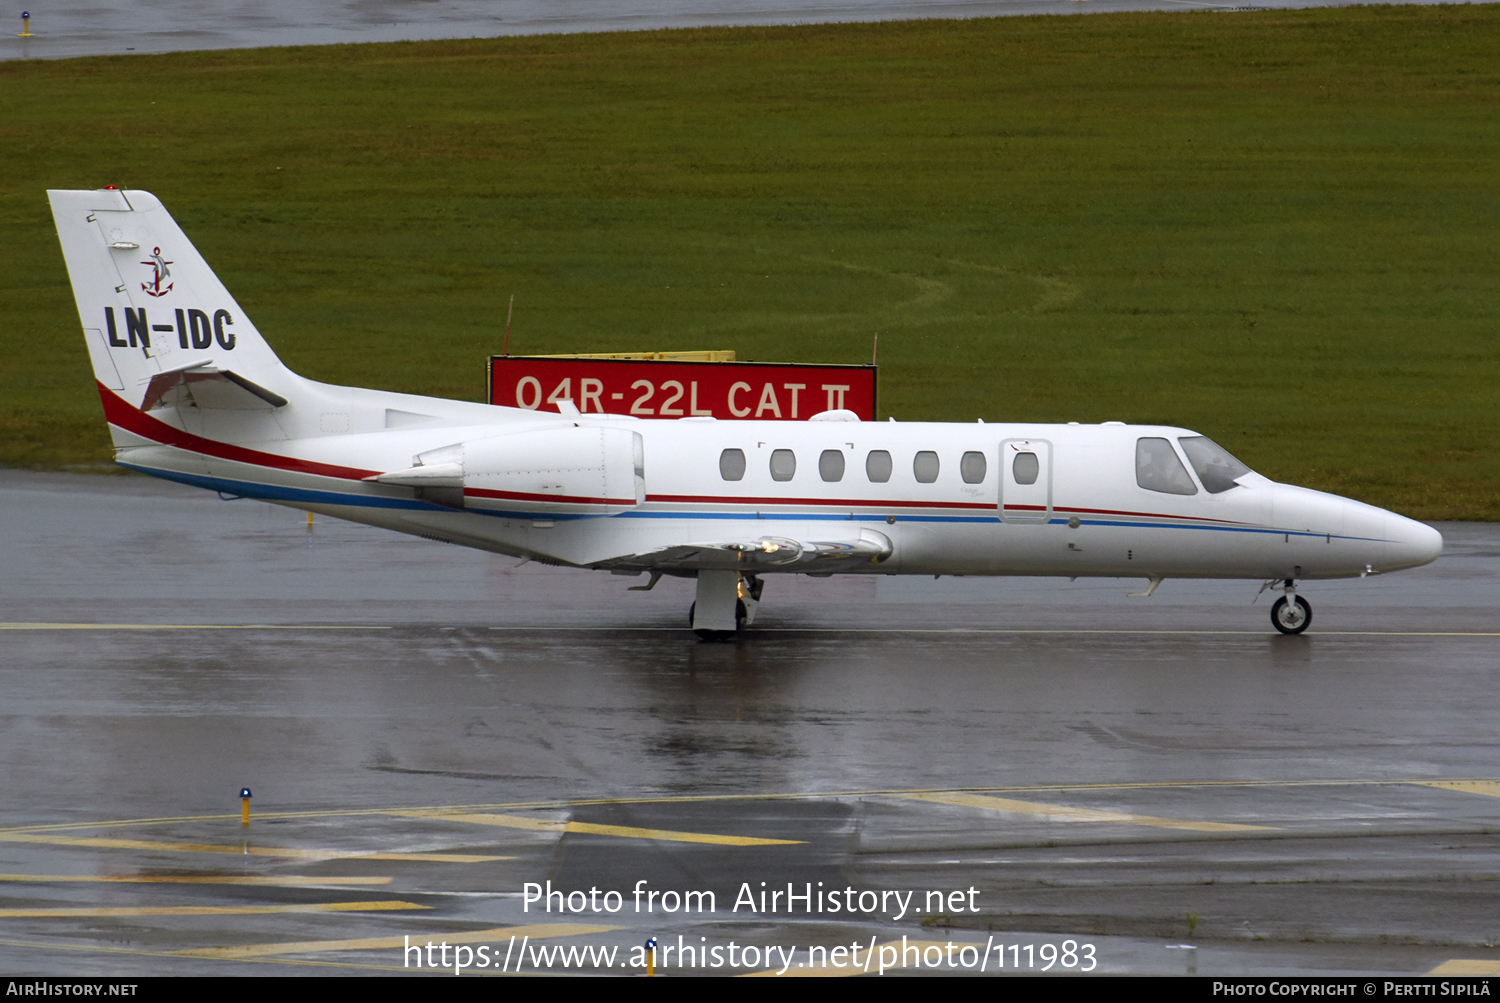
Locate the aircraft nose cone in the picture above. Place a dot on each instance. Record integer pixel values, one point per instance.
(1412, 543)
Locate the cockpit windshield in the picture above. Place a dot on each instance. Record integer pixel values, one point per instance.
(1216, 468)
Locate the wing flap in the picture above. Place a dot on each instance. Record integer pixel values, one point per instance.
(763, 554)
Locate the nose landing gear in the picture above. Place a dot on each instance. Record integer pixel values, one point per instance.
(1291, 613)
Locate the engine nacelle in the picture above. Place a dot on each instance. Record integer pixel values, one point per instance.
(595, 470)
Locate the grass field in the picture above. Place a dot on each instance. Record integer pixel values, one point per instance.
(1277, 228)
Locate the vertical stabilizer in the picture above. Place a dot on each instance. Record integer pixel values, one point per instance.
(148, 301)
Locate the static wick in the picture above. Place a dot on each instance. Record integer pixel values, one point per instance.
(25, 25)
(506, 350)
(245, 808)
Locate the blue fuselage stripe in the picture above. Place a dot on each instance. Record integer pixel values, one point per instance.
(276, 492)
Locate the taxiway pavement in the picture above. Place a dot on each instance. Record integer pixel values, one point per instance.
(68, 28)
(427, 730)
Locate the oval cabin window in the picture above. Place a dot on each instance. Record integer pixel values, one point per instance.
(973, 467)
(1025, 468)
(831, 465)
(783, 464)
(732, 464)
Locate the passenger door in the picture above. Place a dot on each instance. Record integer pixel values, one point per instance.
(1026, 480)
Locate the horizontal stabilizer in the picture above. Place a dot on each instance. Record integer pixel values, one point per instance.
(204, 386)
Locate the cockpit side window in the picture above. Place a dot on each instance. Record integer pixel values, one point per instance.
(1157, 468)
(1216, 468)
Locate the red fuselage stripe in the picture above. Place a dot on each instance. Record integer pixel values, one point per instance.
(122, 415)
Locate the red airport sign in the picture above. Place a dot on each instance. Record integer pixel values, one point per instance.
(651, 389)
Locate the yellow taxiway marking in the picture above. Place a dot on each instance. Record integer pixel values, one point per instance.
(183, 626)
(1062, 813)
(625, 831)
(501, 935)
(211, 910)
(1489, 787)
(1467, 966)
(194, 879)
(243, 850)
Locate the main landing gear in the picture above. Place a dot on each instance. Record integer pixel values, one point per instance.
(1291, 613)
(725, 604)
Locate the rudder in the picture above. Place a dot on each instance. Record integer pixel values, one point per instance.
(148, 301)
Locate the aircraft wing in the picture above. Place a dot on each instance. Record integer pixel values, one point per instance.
(762, 554)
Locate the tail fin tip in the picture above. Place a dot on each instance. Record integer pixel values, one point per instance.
(148, 301)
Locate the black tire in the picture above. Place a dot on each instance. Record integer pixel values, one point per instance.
(1293, 620)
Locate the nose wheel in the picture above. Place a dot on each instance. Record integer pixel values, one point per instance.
(1291, 614)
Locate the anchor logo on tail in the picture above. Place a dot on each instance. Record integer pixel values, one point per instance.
(159, 273)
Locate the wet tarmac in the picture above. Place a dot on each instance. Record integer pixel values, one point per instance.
(80, 28)
(1050, 769)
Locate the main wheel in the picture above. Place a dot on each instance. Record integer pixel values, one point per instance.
(720, 635)
(1291, 618)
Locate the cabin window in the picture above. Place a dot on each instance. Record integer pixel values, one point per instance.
(732, 464)
(925, 467)
(831, 465)
(1157, 468)
(1216, 468)
(1025, 468)
(972, 467)
(783, 464)
(878, 466)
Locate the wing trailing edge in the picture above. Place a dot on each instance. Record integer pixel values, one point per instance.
(764, 553)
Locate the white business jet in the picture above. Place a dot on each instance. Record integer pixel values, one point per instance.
(193, 393)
